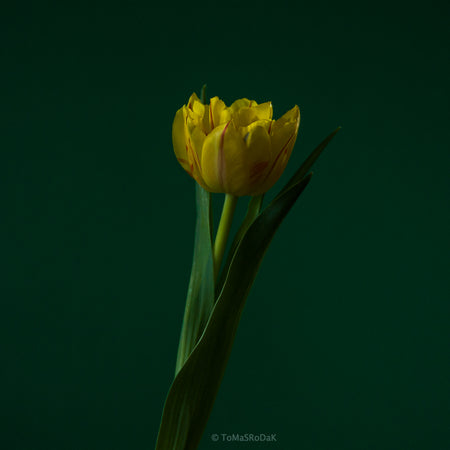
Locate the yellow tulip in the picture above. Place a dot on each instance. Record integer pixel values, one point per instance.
(237, 150)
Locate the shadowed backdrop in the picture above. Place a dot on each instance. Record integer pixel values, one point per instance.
(343, 342)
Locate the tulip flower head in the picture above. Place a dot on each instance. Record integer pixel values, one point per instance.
(237, 150)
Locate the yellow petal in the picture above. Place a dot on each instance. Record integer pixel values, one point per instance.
(283, 128)
(195, 138)
(245, 131)
(231, 165)
(192, 99)
(198, 113)
(264, 111)
(218, 113)
(257, 157)
(179, 140)
(241, 103)
(246, 115)
(222, 157)
(201, 115)
(187, 143)
(283, 136)
(198, 108)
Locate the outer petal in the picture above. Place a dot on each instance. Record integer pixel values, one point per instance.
(222, 154)
(285, 128)
(230, 164)
(258, 157)
(283, 136)
(179, 140)
(195, 137)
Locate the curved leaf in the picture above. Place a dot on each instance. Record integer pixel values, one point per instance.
(200, 296)
(255, 203)
(309, 161)
(192, 394)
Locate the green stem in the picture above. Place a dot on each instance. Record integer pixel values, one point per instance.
(253, 210)
(223, 231)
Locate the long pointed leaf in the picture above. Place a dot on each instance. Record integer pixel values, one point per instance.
(200, 296)
(309, 161)
(256, 202)
(192, 394)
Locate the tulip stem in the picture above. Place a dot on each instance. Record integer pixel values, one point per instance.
(229, 205)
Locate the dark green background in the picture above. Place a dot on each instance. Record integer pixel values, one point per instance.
(343, 342)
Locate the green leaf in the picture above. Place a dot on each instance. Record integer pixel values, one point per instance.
(309, 161)
(200, 296)
(192, 394)
(255, 203)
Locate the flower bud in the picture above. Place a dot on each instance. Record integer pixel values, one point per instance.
(236, 150)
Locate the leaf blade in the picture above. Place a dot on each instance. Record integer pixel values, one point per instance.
(196, 385)
(200, 296)
(308, 163)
